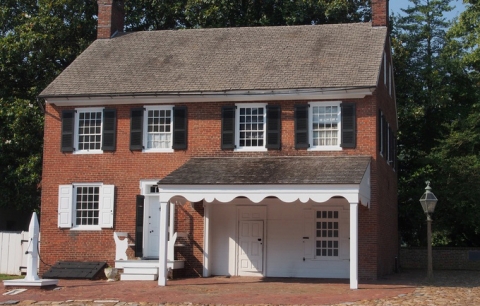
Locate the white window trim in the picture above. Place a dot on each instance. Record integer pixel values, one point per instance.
(145, 129)
(390, 73)
(310, 129)
(72, 210)
(145, 186)
(237, 128)
(385, 68)
(76, 134)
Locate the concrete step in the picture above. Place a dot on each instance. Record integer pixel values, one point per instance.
(140, 270)
(121, 264)
(145, 277)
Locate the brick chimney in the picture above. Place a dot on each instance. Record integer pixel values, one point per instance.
(380, 13)
(110, 18)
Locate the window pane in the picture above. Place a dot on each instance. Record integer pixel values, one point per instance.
(159, 129)
(87, 206)
(327, 243)
(251, 127)
(325, 125)
(89, 130)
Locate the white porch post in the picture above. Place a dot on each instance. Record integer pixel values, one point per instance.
(206, 240)
(353, 245)
(163, 246)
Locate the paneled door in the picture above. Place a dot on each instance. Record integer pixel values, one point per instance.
(152, 228)
(250, 248)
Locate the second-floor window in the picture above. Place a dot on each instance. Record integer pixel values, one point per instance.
(158, 128)
(251, 127)
(325, 126)
(88, 130)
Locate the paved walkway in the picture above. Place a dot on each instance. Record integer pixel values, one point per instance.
(407, 288)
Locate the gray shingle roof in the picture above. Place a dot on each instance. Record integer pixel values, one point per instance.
(198, 60)
(269, 170)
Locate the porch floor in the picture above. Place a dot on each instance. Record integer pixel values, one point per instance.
(225, 291)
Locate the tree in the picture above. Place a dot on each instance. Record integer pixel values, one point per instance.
(171, 14)
(423, 104)
(38, 39)
(457, 155)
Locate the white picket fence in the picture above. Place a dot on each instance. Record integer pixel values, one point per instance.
(13, 245)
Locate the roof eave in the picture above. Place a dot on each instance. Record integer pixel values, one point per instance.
(212, 96)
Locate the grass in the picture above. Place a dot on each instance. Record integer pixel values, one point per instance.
(6, 277)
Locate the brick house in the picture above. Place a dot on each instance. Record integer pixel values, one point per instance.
(263, 151)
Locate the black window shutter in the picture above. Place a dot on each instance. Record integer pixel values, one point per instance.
(301, 126)
(391, 146)
(136, 129)
(180, 128)
(228, 127)
(109, 129)
(68, 125)
(385, 138)
(139, 226)
(274, 127)
(349, 124)
(395, 161)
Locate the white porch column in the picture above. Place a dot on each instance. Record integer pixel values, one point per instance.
(163, 246)
(206, 240)
(353, 245)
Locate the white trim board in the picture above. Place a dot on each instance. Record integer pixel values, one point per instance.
(235, 96)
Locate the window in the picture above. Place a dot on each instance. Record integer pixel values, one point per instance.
(88, 130)
(325, 121)
(158, 128)
(381, 133)
(85, 206)
(251, 127)
(327, 233)
(325, 126)
(387, 141)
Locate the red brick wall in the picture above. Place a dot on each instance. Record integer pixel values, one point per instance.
(110, 17)
(380, 12)
(386, 190)
(125, 169)
(443, 258)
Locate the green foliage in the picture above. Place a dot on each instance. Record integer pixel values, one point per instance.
(38, 39)
(170, 14)
(439, 137)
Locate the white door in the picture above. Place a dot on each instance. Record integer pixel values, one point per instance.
(152, 228)
(250, 248)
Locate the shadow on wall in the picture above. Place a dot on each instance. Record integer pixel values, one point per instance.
(14, 220)
(192, 251)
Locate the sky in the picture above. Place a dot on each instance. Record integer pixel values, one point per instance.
(396, 5)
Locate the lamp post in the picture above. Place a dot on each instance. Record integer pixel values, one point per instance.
(428, 201)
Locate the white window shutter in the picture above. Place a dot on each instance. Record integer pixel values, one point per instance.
(106, 206)
(308, 234)
(65, 206)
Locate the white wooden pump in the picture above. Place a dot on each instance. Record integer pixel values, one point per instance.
(32, 279)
